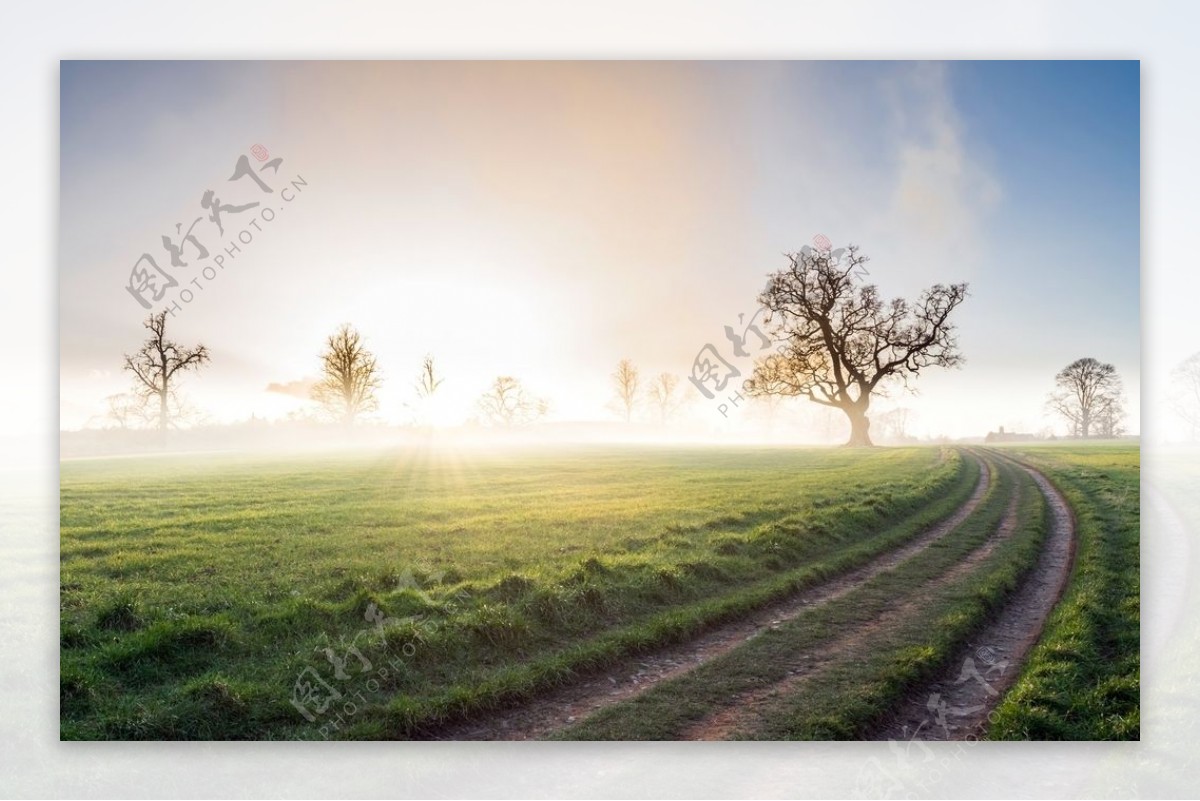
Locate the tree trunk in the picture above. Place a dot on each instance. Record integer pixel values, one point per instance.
(163, 411)
(860, 427)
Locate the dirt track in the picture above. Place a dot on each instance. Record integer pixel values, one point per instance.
(742, 713)
(561, 708)
(956, 705)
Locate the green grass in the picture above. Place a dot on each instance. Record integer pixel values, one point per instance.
(195, 592)
(856, 694)
(1082, 679)
(843, 699)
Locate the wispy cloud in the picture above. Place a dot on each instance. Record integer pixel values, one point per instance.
(300, 388)
(941, 187)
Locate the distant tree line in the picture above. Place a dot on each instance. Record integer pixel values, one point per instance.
(661, 396)
(838, 344)
(347, 388)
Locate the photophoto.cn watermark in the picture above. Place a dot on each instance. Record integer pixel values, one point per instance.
(712, 373)
(330, 697)
(227, 222)
(916, 767)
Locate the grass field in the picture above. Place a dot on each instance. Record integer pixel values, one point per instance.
(387, 595)
(1082, 681)
(868, 673)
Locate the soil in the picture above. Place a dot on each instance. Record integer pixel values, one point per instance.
(956, 705)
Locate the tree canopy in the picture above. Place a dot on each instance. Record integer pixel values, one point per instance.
(155, 366)
(349, 377)
(839, 340)
(1089, 396)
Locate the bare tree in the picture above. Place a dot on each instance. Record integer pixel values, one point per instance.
(507, 404)
(841, 341)
(127, 410)
(626, 381)
(426, 386)
(663, 396)
(1110, 417)
(428, 382)
(1088, 393)
(349, 377)
(1185, 392)
(895, 424)
(155, 367)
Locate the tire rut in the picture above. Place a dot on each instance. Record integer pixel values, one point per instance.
(957, 704)
(560, 708)
(743, 711)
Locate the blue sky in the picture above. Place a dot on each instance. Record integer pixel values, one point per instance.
(583, 213)
(1065, 138)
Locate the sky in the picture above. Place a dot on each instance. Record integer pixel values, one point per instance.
(547, 219)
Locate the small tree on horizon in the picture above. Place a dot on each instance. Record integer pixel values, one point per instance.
(428, 382)
(663, 396)
(895, 423)
(426, 387)
(507, 404)
(156, 366)
(1089, 397)
(626, 381)
(1110, 420)
(349, 377)
(1185, 392)
(127, 410)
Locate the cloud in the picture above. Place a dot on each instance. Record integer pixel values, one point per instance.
(941, 187)
(939, 184)
(300, 388)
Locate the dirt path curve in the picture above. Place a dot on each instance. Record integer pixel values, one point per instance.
(956, 705)
(742, 713)
(562, 707)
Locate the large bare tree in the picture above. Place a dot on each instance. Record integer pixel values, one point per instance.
(508, 404)
(156, 367)
(349, 377)
(1088, 395)
(839, 341)
(626, 381)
